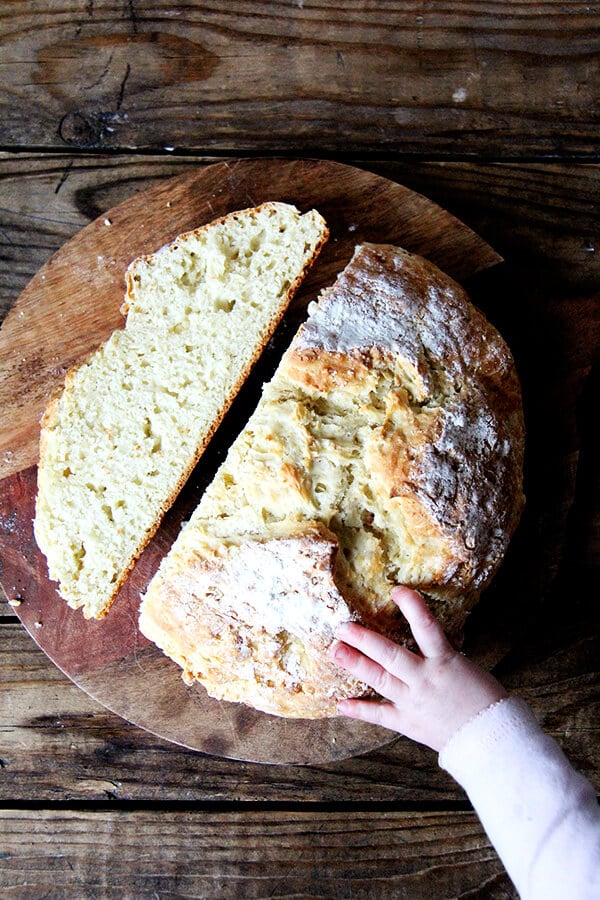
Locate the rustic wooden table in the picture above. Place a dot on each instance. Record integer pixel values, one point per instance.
(491, 110)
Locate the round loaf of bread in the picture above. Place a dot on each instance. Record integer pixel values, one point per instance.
(387, 449)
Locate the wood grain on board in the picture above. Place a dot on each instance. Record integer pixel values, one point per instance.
(264, 77)
(58, 319)
(254, 853)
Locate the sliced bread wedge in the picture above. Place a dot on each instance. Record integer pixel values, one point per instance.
(133, 419)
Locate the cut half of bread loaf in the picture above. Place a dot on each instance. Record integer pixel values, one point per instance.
(133, 419)
(387, 449)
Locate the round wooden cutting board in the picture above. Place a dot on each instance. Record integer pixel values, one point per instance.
(72, 305)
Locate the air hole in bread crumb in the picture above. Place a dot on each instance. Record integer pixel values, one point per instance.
(106, 509)
(257, 240)
(224, 305)
(78, 557)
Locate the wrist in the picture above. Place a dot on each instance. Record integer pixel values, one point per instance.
(475, 690)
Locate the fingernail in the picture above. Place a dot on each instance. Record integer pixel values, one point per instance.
(339, 651)
(402, 590)
(344, 628)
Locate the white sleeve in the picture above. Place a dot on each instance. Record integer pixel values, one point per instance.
(541, 815)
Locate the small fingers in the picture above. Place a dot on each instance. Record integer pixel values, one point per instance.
(395, 659)
(375, 712)
(426, 629)
(366, 670)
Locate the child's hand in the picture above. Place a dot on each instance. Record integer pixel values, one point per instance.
(427, 697)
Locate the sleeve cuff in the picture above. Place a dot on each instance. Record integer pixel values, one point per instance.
(492, 726)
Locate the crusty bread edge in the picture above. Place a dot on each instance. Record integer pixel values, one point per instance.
(185, 235)
(50, 414)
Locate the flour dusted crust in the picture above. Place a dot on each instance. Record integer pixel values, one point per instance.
(277, 604)
(390, 444)
(455, 462)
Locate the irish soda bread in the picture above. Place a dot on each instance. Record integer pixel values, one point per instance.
(386, 450)
(133, 419)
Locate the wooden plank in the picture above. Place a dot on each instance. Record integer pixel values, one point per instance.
(542, 218)
(205, 853)
(7, 611)
(57, 744)
(495, 79)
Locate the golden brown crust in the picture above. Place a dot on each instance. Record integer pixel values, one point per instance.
(459, 466)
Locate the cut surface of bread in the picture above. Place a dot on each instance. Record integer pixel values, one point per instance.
(133, 419)
(390, 441)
